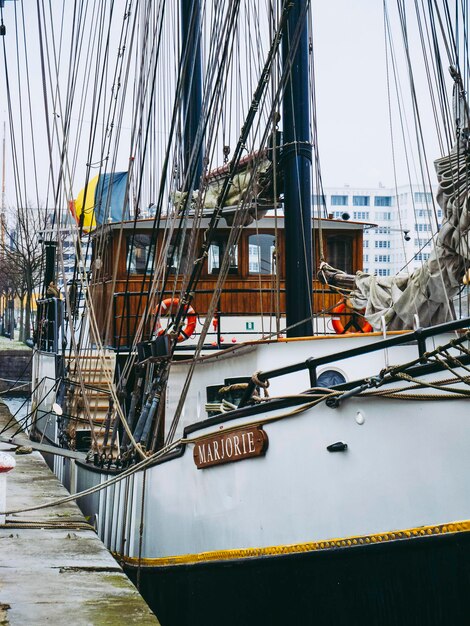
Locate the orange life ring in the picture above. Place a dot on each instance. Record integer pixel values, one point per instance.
(168, 307)
(360, 326)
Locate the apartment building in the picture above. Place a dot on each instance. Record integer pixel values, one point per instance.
(405, 221)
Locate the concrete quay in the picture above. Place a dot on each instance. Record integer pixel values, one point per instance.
(53, 567)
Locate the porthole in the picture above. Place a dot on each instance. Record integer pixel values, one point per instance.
(330, 378)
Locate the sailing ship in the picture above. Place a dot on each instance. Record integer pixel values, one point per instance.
(246, 463)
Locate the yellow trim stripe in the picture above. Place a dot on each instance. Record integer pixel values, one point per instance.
(246, 553)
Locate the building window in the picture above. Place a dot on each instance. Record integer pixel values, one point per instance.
(383, 215)
(261, 254)
(365, 243)
(361, 200)
(383, 201)
(382, 258)
(365, 258)
(382, 243)
(319, 200)
(382, 272)
(339, 200)
(423, 228)
(383, 230)
(422, 256)
(217, 251)
(361, 215)
(423, 197)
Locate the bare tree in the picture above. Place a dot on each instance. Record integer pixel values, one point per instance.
(9, 280)
(21, 253)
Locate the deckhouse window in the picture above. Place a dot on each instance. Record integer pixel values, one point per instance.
(340, 249)
(178, 257)
(217, 251)
(140, 254)
(261, 258)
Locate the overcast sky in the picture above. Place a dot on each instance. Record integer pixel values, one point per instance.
(354, 124)
(354, 131)
(351, 92)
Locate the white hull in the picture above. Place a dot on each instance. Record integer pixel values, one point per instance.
(405, 467)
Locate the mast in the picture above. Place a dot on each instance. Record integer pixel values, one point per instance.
(297, 163)
(2, 212)
(192, 84)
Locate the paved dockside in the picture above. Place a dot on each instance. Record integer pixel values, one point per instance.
(60, 575)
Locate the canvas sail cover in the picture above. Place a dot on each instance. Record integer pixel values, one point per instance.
(252, 183)
(428, 291)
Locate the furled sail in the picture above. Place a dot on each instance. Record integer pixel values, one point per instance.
(252, 187)
(428, 292)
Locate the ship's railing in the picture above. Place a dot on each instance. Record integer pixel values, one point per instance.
(129, 307)
(418, 336)
(50, 330)
(125, 323)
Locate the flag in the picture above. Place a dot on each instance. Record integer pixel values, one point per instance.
(101, 201)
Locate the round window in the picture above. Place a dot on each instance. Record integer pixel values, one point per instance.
(330, 378)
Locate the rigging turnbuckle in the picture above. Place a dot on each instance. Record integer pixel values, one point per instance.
(334, 401)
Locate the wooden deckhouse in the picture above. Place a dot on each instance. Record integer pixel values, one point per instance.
(255, 284)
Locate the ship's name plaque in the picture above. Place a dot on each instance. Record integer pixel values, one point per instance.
(227, 447)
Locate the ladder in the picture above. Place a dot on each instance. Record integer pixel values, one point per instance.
(91, 415)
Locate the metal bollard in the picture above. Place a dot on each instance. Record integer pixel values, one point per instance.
(7, 463)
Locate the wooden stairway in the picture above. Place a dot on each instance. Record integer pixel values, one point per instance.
(91, 410)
